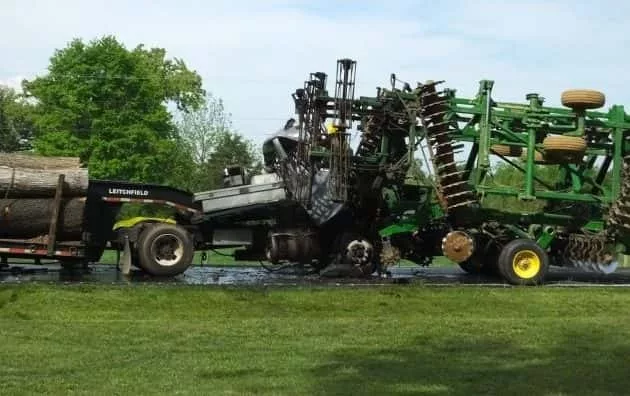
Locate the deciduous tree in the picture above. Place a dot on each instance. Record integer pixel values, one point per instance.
(108, 105)
(208, 136)
(16, 124)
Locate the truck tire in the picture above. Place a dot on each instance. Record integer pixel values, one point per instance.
(523, 262)
(165, 250)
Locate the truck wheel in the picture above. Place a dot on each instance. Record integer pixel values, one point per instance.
(523, 262)
(165, 250)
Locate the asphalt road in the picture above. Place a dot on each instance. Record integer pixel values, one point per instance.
(251, 276)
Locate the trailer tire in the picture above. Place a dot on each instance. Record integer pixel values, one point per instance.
(583, 99)
(165, 250)
(523, 262)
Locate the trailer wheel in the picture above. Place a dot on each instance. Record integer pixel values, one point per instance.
(523, 262)
(165, 250)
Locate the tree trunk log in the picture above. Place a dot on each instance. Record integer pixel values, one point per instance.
(36, 183)
(15, 160)
(30, 218)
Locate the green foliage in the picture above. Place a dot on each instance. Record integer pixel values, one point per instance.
(108, 105)
(16, 124)
(207, 137)
(505, 175)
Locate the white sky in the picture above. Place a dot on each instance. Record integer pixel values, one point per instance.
(253, 54)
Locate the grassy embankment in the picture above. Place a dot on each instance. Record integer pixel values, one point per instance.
(142, 339)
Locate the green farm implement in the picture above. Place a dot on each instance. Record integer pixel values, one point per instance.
(582, 216)
(567, 203)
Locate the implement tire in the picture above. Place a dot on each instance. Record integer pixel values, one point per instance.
(506, 151)
(583, 99)
(523, 262)
(573, 144)
(538, 157)
(564, 149)
(483, 260)
(165, 250)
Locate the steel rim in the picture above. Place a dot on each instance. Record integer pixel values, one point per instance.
(526, 264)
(167, 250)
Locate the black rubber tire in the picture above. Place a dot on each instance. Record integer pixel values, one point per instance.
(147, 257)
(470, 266)
(508, 254)
(349, 236)
(484, 258)
(475, 266)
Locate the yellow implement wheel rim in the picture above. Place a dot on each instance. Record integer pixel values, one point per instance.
(526, 264)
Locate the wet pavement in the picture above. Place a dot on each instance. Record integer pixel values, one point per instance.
(253, 276)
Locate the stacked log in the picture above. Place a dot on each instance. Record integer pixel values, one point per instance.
(28, 185)
(30, 218)
(39, 183)
(15, 160)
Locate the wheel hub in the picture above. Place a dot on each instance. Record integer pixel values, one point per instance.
(167, 249)
(526, 264)
(458, 246)
(359, 252)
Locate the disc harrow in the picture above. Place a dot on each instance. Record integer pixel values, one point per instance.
(589, 252)
(453, 190)
(619, 215)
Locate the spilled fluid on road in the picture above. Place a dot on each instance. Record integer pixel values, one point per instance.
(257, 275)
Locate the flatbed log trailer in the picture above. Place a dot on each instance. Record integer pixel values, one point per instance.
(160, 248)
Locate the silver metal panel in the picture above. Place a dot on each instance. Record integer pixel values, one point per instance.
(232, 236)
(238, 190)
(235, 197)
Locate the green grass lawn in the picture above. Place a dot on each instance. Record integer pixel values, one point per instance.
(148, 339)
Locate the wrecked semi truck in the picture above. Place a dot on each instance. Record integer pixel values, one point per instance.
(319, 203)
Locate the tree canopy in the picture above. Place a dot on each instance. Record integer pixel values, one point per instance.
(208, 137)
(108, 105)
(16, 125)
